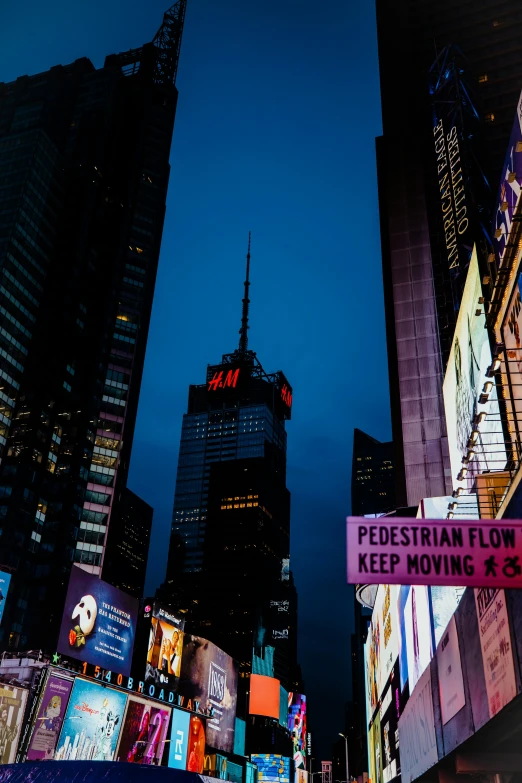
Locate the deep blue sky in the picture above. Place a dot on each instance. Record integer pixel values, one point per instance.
(277, 115)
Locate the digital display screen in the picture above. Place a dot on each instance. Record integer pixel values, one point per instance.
(265, 694)
(271, 768)
(49, 718)
(165, 647)
(143, 734)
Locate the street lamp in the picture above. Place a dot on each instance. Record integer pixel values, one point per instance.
(346, 752)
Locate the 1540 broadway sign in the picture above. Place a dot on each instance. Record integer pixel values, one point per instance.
(485, 553)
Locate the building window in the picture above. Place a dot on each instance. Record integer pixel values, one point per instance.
(483, 78)
(490, 117)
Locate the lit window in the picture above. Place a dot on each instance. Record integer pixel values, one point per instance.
(490, 117)
(483, 78)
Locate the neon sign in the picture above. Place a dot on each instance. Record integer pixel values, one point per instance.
(220, 382)
(286, 395)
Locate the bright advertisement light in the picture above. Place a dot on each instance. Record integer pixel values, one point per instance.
(463, 388)
(143, 733)
(265, 695)
(419, 648)
(297, 727)
(271, 768)
(165, 647)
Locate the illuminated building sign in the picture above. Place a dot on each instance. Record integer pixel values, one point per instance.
(452, 189)
(221, 381)
(286, 395)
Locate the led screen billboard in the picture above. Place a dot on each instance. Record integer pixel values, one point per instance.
(265, 696)
(165, 646)
(92, 723)
(297, 727)
(283, 707)
(464, 383)
(239, 737)
(417, 625)
(510, 186)
(12, 708)
(49, 718)
(389, 713)
(196, 745)
(179, 737)
(98, 623)
(5, 580)
(143, 733)
(271, 768)
(512, 338)
(209, 675)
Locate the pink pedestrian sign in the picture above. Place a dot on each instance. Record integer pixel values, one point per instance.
(474, 553)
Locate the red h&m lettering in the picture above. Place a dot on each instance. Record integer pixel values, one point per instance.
(218, 382)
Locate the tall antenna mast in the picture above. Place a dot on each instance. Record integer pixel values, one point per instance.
(243, 332)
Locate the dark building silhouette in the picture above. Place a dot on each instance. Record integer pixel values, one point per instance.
(373, 475)
(458, 63)
(128, 546)
(230, 541)
(84, 170)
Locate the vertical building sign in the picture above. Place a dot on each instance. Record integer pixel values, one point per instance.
(497, 651)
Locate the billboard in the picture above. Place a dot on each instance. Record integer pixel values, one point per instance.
(444, 552)
(271, 768)
(5, 580)
(283, 707)
(297, 727)
(92, 723)
(196, 745)
(389, 714)
(386, 609)
(179, 738)
(209, 675)
(49, 718)
(239, 737)
(417, 738)
(449, 667)
(510, 187)
(265, 696)
(464, 382)
(12, 708)
(375, 749)
(165, 646)
(496, 646)
(417, 624)
(143, 733)
(512, 339)
(373, 671)
(444, 602)
(98, 623)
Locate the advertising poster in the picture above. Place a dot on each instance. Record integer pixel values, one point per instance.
(165, 647)
(417, 623)
(402, 597)
(49, 719)
(12, 708)
(5, 580)
(497, 651)
(179, 739)
(375, 745)
(98, 623)
(143, 733)
(297, 728)
(388, 620)
(92, 723)
(271, 768)
(209, 676)
(418, 741)
(465, 377)
(444, 602)
(373, 658)
(196, 745)
(451, 682)
(389, 719)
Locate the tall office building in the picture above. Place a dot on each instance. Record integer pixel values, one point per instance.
(425, 47)
(84, 170)
(373, 475)
(231, 521)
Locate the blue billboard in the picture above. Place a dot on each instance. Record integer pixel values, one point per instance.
(98, 623)
(92, 723)
(179, 739)
(271, 768)
(5, 580)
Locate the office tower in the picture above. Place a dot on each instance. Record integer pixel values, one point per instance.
(126, 552)
(231, 520)
(84, 162)
(373, 475)
(421, 293)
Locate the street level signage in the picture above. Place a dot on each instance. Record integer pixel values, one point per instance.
(473, 553)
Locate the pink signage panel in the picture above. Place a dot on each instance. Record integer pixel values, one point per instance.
(473, 553)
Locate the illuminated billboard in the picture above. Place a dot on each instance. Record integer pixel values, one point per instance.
(5, 580)
(283, 707)
(271, 768)
(49, 718)
(12, 708)
(179, 739)
(465, 385)
(512, 339)
(165, 646)
(209, 676)
(143, 733)
(382, 645)
(98, 623)
(196, 745)
(510, 187)
(265, 696)
(417, 645)
(92, 723)
(297, 727)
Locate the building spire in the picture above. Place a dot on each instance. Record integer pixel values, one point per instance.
(243, 332)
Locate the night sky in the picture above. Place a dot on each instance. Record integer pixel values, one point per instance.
(277, 115)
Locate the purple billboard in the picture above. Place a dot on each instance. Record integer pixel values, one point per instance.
(510, 186)
(49, 719)
(98, 623)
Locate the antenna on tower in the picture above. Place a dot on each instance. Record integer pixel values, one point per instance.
(168, 43)
(243, 332)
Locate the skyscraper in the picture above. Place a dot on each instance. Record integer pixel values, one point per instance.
(84, 170)
(373, 475)
(231, 520)
(421, 296)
